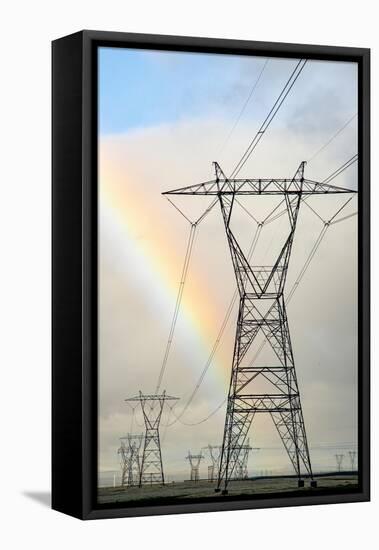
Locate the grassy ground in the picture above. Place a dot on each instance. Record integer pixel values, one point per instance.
(204, 490)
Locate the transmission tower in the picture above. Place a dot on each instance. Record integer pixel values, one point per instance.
(352, 455)
(123, 452)
(339, 460)
(151, 469)
(242, 459)
(214, 454)
(262, 310)
(130, 459)
(194, 461)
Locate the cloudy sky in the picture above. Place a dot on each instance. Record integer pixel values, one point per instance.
(163, 118)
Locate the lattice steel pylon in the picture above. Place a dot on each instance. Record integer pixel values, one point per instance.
(151, 470)
(242, 458)
(194, 461)
(130, 459)
(339, 460)
(123, 452)
(214, 455)
(352, 456)
(262, 310)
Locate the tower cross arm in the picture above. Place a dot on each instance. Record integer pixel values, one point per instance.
(152, 397)
(263, 186)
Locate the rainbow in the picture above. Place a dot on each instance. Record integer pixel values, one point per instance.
(126, 209)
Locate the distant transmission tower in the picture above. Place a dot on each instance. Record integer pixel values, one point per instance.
(242, 459)
(262, 310)
(151, 470)
(339, 460)
(123, 452)
(130, 459)
(352, 455)
(194, 461)
(214, 454)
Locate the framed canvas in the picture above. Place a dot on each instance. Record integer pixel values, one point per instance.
(210, 274)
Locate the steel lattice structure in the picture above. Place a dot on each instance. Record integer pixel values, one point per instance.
(242, 458)
(214, 454)
(352, 455)
(194, 461)
(130, 459)
(339, 460)
(151, 470)
(123, 452)
(262, 310)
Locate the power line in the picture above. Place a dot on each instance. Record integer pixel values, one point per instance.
(319, 446)
(187, 259)
(314, 212)
(178, 209)
(167, 421)
(204, 419)
(269, 118)
(332, 138)
(341, 169)
(339, 210)
(244, 107)
(307, 262)
(344, 218)
(134, 418)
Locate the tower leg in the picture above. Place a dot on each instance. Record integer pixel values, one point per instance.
(151, 466)
(282, 402)
(291, 429)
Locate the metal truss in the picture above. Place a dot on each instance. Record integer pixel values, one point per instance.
(339, 460)
(151, 469)
(129, 452)
(352, 456)
(122, 451)
(194, 461)
(262, 310)
(269, 186)
(214, 454)
(242, 457)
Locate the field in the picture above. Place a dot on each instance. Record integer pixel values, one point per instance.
(203, 490)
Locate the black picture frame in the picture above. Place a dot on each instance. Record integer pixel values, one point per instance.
(74, 269)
